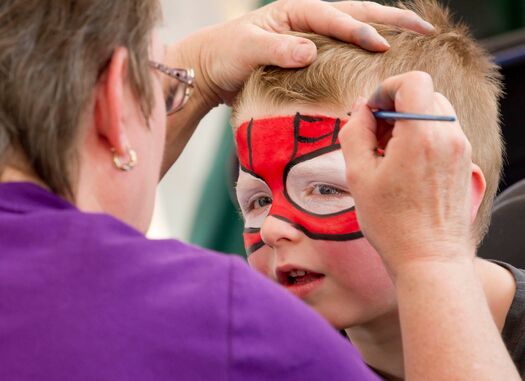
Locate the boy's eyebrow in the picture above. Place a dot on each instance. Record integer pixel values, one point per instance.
(322, 170)
(247, 187)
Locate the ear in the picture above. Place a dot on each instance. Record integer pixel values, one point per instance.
(478, 186)
(112, 100)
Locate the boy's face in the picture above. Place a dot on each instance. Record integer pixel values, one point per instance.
(300, 225)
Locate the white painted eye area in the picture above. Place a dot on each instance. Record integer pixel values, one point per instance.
(318, 185)
(255, 199)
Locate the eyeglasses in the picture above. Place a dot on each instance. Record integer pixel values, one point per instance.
(180, 90)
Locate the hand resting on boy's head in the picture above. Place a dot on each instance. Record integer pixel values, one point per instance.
(261, 38)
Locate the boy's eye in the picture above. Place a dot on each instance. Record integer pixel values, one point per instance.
(326, 190)
(261, 202)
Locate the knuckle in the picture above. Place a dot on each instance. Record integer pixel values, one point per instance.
(409, 14)
(347, 130)
(286, 5)
(420, 77)
(361, 32)
(443, 103)
(278, 51)
(369, 5)
(439, 97)
(343, 134)
(426, 140)
(459, 145)
(245, 38)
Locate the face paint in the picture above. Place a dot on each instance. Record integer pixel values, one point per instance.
(272, 152)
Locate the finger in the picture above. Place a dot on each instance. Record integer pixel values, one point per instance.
(370, 12)
(268, 48)
(444, 107)
(435, 141)
(411, 92)
(323, 18)
(358, 139)
(408, 92)
(452, 133)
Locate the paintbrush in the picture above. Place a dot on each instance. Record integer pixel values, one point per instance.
(393, 115)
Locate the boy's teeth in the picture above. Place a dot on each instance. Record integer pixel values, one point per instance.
(297, 273)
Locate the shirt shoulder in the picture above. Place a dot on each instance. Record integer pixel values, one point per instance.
(514, 329)
(92, 290)
(104, 302)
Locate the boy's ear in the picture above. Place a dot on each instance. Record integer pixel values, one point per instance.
(111, 102)
(478, 185)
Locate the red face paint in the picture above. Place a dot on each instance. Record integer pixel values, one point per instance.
(268, 149)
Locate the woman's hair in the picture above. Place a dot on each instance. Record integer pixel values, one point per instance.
(460, 68)
(51, 55)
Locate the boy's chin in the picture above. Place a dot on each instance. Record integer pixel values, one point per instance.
(342, 320)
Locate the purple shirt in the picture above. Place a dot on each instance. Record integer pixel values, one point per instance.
(85, 297)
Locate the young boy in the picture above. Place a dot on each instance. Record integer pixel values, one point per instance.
(300, 224)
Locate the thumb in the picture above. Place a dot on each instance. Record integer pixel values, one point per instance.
(281, 50)
(358, 140)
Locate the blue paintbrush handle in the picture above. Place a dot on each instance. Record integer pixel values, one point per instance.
(392, 115)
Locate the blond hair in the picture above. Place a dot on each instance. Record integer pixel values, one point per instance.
(460, 68)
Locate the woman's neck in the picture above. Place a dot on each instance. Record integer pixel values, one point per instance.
(379, 343)
(19, 173)
(16, 167)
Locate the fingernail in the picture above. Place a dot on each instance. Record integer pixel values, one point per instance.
(384, 41)
(428, 26)
(303, 53)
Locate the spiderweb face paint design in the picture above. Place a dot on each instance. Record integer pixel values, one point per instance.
(272, 151)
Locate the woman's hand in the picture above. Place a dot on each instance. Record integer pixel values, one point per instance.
(227, 53)
(413, 204)
(224, 55)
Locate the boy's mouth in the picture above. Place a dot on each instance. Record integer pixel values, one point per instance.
(298, 281)
(300, 277)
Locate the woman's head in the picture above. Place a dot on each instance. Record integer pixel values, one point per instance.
(57, 61)
(77, 90)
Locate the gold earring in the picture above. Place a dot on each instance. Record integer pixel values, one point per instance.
(131, 163)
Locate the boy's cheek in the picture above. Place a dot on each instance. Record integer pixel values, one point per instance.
(261, 261)
(356, 266)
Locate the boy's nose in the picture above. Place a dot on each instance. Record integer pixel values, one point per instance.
(275, 232)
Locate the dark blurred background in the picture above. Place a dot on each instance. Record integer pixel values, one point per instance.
(498, 24)
(487, 18)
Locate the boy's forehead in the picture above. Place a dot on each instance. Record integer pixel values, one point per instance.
(271, 143)
(264, 110)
